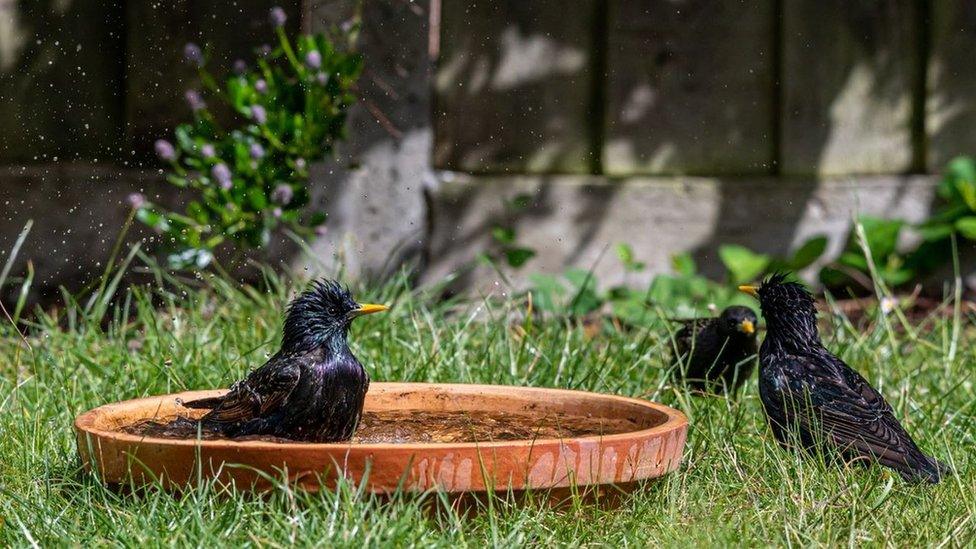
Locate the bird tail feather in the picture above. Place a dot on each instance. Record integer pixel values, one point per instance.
(204, 403)
(924, 468)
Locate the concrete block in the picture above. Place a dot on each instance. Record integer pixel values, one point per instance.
(575, 221)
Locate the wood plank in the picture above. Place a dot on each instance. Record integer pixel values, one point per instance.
(950, 106)
(690, 87)
(513, 86)
(60, 80)
(157, 75)
(849, 71)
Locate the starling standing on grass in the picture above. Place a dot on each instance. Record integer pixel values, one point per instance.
(719, 353)
(310, 390)
(813, 399)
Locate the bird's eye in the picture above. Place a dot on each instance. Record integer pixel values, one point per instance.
(332, 311)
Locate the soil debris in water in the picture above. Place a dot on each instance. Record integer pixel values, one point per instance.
(406, 426)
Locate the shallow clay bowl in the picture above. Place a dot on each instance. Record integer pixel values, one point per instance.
(651, 449)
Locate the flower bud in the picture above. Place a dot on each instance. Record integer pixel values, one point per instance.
(193, 54)
(313, 59)
(165, 150)
(136, 200)
(282, 194)
(194, 100)
(222, 174)
(277, 16)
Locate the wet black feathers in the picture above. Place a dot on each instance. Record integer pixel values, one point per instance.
(813, 399)
(717, 354)
(312, 389)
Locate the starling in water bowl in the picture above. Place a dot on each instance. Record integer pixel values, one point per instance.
(312, 389)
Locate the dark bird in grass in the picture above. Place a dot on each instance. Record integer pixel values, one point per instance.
(313, 388)
(814, 400)
(718, 353)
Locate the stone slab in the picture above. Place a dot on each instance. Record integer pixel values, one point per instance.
(848, 77)
(576, 221)
(690, 88)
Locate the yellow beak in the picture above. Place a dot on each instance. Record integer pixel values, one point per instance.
(368, 309)
(751, 290)
(746, 327)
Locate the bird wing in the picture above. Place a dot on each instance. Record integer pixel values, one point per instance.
(853, 414)
(263, 390)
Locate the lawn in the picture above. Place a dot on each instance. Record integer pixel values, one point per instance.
(735, 486)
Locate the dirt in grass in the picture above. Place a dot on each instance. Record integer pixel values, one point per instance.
(405, 426)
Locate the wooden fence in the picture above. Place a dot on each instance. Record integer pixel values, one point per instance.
(705, 87)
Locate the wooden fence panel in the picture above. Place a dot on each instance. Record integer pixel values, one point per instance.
(690, 87)
(513, 86)
(157, 75)
(61, 75)
(951, 100)
(849, 73)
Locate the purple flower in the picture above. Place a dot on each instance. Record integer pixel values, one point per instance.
(313, 59)
(194, 100)
(276, 213)
(282, 194)
(222, 174)
(256, 151)
(240, 67)
(207, 150)
(261, 86)
(277, 16)
(165, 150)
(136, 200)
(321, 230)
(322, 78)
(193, 54)
(300, 164)
(259, 114)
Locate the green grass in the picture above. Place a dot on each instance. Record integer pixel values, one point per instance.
(735, 486)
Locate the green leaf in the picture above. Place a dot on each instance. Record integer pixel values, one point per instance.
(810, 251)
(521, 201)
(967, 227)
(683, 264)
(854, 259)
(256, 198)
(503, 235)
(967, 190)
(625, 253)
(743, 264)
(546, 291)
(317, 219)
(516, 257)
(153, 219)
(881, 234)
(960, 180)
(932, 232)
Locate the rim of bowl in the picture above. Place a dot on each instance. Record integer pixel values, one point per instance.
(84, 423)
